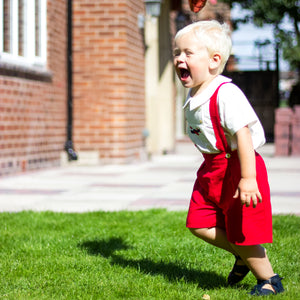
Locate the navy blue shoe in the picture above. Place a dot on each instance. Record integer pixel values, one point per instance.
(274, 281)
(238, 272)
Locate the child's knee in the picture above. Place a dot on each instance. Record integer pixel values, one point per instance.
(192, 230)
(199, 232)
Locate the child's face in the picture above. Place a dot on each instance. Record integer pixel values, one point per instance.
(192, 62)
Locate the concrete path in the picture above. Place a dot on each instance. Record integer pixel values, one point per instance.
(164, 182)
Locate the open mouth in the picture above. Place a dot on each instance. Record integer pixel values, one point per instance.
(184, 73)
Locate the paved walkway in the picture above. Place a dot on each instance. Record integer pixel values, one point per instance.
(164, 182)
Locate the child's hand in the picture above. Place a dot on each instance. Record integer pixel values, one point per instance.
(248, 190)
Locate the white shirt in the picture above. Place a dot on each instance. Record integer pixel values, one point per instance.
(235, 113)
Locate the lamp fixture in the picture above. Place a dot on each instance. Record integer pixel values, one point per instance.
(153, 7)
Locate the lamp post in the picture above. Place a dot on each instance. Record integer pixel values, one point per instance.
(181, 20)
(153, 7)
(259, 44)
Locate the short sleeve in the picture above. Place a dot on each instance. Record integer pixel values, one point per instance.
(235, 109)
(235, 113)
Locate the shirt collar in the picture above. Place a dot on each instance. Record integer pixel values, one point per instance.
(206, 94)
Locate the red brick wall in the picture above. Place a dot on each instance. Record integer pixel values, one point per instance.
(108, 56)
(33, 105)
(287, 131)
(282, 131)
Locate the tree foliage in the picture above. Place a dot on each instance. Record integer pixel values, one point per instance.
(276, 12)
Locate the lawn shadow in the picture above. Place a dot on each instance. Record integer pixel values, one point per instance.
(105, 248)
(170, 270)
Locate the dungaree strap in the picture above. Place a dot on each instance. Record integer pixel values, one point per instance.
(221, 143)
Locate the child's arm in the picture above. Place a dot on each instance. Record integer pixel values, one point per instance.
(247, 188)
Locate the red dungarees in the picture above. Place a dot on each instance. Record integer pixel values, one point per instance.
(212, 203)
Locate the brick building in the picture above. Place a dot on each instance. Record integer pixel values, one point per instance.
(32, 84)
(107, 83)
(108, 87)
(91, 74)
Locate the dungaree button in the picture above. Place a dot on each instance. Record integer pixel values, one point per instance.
(227, 155)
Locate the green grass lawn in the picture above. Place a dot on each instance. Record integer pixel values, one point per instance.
(127, 255)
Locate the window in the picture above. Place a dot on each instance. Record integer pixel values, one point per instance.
(23, 32)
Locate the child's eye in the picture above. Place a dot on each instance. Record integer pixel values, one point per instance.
(176, 53)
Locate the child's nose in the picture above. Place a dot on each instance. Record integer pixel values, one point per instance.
(181, 57)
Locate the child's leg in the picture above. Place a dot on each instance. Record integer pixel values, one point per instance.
(257, 260)
(214, 236)
(217, 236)
(254, 256)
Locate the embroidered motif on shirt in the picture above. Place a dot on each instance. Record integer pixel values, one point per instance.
(195, 131)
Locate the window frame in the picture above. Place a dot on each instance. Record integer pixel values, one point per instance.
(29, 57)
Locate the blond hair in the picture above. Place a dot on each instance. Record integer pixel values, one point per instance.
(215, 37)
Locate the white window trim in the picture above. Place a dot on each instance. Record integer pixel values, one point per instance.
(1, 26)
(29, 59)
(43, 30)
(14, 21)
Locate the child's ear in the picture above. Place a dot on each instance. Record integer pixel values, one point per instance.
(215, 61)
